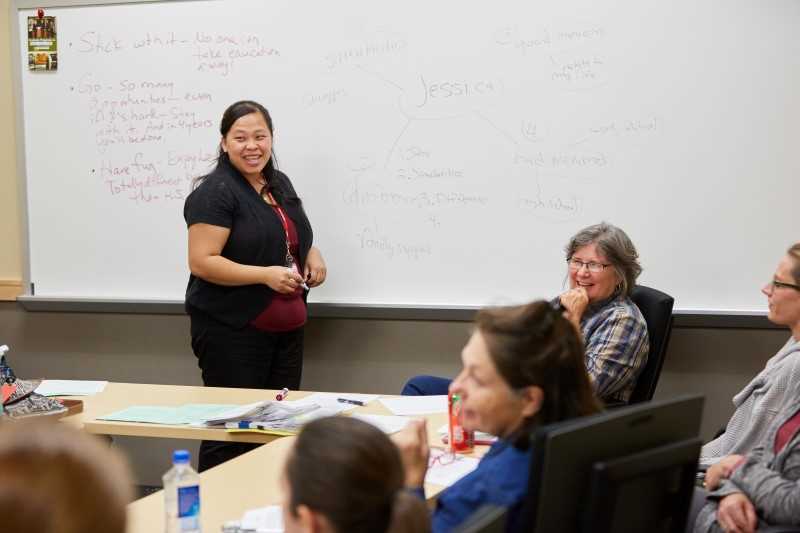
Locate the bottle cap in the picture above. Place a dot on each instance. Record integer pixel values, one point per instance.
(180, 456)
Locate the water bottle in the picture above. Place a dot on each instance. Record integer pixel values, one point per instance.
(181, 496)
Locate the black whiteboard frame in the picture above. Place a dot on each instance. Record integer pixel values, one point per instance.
(30, 302)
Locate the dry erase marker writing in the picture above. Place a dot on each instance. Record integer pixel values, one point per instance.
(351, 402)
(282, 394)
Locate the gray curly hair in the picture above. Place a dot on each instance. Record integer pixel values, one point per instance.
(618, 248)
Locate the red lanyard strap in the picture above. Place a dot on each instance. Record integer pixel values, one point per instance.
(282, 216)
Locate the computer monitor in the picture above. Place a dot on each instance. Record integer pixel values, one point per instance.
(614, 470)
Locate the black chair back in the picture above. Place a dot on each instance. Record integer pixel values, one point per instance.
(656, 307)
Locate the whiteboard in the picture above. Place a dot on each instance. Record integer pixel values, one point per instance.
(445, 151)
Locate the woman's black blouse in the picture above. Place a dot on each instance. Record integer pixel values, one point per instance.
(225, 198)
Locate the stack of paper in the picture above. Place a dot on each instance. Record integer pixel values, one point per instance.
(265, 411)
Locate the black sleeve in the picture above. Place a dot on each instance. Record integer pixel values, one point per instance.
(211, 203)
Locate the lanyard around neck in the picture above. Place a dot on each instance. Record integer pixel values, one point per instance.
(285, 223)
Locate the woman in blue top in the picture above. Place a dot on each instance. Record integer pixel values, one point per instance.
(523, 366)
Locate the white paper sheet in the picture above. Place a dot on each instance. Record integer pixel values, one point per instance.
(330, 400)
(416, 405)
(386, 423)
(69, 387)
(263, 520)
(447, 474)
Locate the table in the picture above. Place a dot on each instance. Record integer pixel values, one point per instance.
(249, 481)
(117, 396)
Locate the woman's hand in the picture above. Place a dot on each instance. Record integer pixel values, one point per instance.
(315, 270)
(575, 302)
(721, 470)
(412, 441)
(282, 279)
(737, 514)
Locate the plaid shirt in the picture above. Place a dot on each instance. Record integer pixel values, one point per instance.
(616, 347)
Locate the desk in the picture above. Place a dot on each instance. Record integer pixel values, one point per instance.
(118, 396)
(249, 481)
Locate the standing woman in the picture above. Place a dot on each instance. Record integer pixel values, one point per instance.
(252, 261)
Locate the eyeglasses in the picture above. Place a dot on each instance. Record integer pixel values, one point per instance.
(775, 284)
(576, 264)
(441, 457)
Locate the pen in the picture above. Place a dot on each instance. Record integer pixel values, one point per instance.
(282, 394)
(351, 402)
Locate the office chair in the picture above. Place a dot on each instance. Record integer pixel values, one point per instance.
(656, 307)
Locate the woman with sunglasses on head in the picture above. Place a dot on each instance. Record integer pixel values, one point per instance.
(252, 263)
(523, 367)
(761, 399)
(602, 269)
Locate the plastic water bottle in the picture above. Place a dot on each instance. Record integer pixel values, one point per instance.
(181, 496)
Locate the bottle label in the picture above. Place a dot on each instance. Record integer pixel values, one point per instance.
(189, 508)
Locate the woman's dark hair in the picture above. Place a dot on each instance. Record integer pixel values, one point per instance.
(351, 473)
(794, 253)
(534, 345)
(274, 184)
(616, 246)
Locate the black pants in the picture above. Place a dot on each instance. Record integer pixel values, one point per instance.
(244, 358)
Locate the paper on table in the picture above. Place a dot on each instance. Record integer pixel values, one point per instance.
(387, 424)
(330, 400)
(67, 387)
(157, 414)
(263, 520)
(416, 405)
(263, 411)
(447, 474)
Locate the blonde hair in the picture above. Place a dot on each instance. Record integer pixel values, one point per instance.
(794, 253)
(56, 479)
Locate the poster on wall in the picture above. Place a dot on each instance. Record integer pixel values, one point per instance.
(42, 45)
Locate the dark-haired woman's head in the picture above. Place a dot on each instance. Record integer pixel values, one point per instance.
(246, 130)
(523, 365)
(346, 475)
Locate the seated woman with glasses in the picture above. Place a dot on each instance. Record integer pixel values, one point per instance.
(345, 475)
(523, 366)
(762, 398)
(762, 488)
(602, 267)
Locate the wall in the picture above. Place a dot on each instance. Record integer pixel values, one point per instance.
(10, 252)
